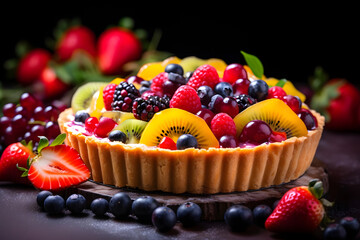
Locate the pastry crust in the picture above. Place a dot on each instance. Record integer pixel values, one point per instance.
(198, 171)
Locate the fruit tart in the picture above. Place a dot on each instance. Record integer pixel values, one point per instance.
(193, 126)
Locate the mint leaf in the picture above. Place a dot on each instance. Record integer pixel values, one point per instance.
(254, 64)
(281, 83)
(59, 140)
(44, 142)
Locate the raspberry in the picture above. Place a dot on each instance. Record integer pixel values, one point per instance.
(222, 124)
(276, 92)
(144, 109)
(205, 75)
(108, 95)
(124, 95)
(186, 98)
(158, 81)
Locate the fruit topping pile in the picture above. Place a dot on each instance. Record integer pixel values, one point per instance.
(194, 103)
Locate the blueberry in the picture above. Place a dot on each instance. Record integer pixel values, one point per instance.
(145, 83)
(216, 103)
(260, 214)
(186, 141)
(224, 89)
(205, 93)
(351, 226)
(81, 116)
(99, 206)
(176, 78)
(188, 75)
(120, 205)
(54, 204)
(238, 217)
(189, 214)
(76, 203)
(163, 218)
(40, 198)
(144, 89)
(174, 68)
(258, 89)
(334, 232)
(143, 208)
(118, 136)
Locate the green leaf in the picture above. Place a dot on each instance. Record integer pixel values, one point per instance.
(127, 22)
(316, 188)
(44, 142)
(59, 140)
(24, 170)
(319, 79)
(281, 83)
(254, 64)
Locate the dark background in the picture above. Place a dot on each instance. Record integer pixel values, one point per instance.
(289, 40)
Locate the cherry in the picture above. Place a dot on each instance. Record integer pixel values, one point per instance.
(233, 72)
(91, 123)
(104, 127)
(308, 118)
(256, 132)
(28, 101)
(228, 141)
(293, 102)
(229, 106)
(9, 110)
(276, 92)
(241, 86)
(206, 114)
(52, 130)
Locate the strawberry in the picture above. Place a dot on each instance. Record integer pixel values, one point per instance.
(337, 99)
(31, 65)
(222, 124)
(108, 95)
(117, 46)
(205, 75)
(57, 166)
(53, 86)
(187, 99)
(74, 39)
(158, 82)
(299, 210)
(15, 155)
(167, 143)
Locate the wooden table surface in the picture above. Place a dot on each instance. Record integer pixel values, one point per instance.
(20, 217)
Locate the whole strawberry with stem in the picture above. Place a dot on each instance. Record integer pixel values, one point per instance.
(300, 210)
(15, 155)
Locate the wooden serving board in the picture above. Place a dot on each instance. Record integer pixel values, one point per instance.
(212, 205)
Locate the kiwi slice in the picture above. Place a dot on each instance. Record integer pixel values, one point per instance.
(191, 63)
(83, 95)
(279, 116)
(174, 122)
(133, 128)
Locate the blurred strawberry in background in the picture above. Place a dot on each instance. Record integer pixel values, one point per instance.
(117, 46)
(52, 85)
(74, 39)
(31, 65)
(337, 99)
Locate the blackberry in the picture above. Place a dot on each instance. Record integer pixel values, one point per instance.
(144, 109)
(244, 101)
(124, 95)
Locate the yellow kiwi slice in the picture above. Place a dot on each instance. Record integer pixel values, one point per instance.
(274, 112)
(174, 122)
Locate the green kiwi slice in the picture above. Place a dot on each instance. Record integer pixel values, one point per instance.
(82, 97)
(133, 129)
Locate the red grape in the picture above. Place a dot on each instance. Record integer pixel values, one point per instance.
(256, 132)
(241, 86)
(206, 114)
(233, 72)
(9, 110)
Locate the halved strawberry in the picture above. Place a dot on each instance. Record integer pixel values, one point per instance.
(57, 167)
